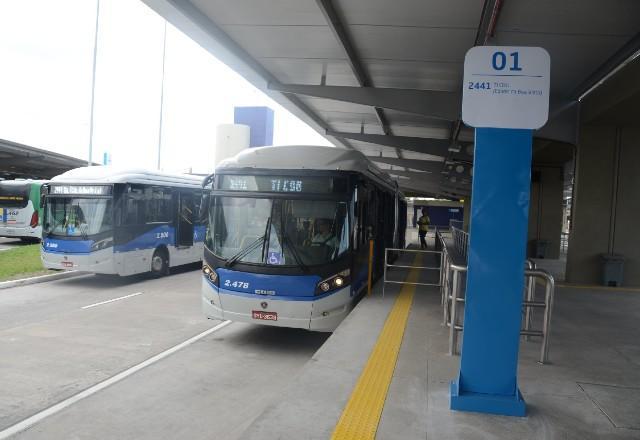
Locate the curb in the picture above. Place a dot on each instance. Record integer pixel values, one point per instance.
(41, 279)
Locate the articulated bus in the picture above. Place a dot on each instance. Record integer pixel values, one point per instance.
(20, 210)
(287, 238)
(110, 221)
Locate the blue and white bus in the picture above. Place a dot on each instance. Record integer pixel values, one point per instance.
(111, 221)
(288, 230)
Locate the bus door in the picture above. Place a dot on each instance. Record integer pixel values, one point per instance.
(186, 217)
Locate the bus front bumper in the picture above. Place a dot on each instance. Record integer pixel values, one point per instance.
(101, 261)
(323, 314)
(21, 232)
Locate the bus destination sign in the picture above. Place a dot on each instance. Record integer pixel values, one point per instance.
(85, 190)
(282, 184)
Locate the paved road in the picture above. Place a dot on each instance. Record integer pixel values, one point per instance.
(51, 348)
(9, 243)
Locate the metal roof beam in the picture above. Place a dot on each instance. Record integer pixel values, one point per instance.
(562, 125)
(330, 14)
(335, 24)
(432, 103)
(606, 69)
(417, 176)
(424, 165)
(430, 187)
(436, 147)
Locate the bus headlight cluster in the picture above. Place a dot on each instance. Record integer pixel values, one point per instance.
(101, 244)
(211, 274)
(336, 281)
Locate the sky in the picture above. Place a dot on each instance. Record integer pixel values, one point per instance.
(47, 48)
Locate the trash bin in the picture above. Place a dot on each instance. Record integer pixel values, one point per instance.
(540, 248)
(612, 269)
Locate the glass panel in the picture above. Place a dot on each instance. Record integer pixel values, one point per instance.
(236, 224)
(77, 217)
(316, 231)
(300, 232)
(14, 195)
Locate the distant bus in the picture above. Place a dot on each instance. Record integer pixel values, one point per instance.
(20, 211)
(110, 221)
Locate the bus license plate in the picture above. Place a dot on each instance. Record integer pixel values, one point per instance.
(67, 264)
(266, 316)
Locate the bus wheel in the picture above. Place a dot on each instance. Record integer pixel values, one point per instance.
(160, 263)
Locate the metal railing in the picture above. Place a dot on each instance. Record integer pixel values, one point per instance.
(460, 241)
(453, 277)
(455, 224)
(564, 242)
(404, 266)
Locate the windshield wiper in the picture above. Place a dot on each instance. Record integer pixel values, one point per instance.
(83, 232)
(252, 246)
(295, 254)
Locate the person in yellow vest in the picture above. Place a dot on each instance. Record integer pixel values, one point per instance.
(423, 228)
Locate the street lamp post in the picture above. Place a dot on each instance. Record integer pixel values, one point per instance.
(164, 52)
(93, 84)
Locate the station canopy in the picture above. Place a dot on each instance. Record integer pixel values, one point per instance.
(385, 77)
(22, 161)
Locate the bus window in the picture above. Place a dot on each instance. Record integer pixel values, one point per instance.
(134, 207)
(158, 205)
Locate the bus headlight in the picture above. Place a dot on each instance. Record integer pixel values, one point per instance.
(211, 274)
(101, 244)
(337, 281)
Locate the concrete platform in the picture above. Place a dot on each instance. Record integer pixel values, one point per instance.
(591, 389)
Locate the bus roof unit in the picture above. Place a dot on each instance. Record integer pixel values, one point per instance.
(314, 158)
(109, 174)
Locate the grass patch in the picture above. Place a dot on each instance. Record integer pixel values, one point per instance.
(20, 262)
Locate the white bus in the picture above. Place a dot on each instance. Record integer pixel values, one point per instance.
(288, 237)
(113, 221)
(20, 210)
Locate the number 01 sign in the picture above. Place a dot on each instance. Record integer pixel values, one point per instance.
(506, 87)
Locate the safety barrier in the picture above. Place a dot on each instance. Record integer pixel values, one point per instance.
(455, 223)
(564, 242)
(452, 286)
(460, 241)
(388, 265)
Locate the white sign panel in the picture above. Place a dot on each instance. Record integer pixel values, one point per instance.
(506, 87)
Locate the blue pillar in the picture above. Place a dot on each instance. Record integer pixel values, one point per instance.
(495, 279)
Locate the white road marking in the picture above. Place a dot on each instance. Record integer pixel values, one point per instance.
(112, 300)
(30, 421)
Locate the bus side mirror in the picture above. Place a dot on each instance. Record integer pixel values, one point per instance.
(207, 184)
(44, 189)
(204, 208)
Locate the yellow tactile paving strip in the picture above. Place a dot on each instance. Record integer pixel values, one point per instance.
(361, 415)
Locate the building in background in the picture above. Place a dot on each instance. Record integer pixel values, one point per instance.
(230, 140)
(260, 120)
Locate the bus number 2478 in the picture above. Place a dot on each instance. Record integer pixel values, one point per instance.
(236, 284)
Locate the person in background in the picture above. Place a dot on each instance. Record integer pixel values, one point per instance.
(423, 228)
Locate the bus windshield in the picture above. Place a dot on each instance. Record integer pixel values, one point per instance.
(277, 231)
(77, 217)
(14, 195)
